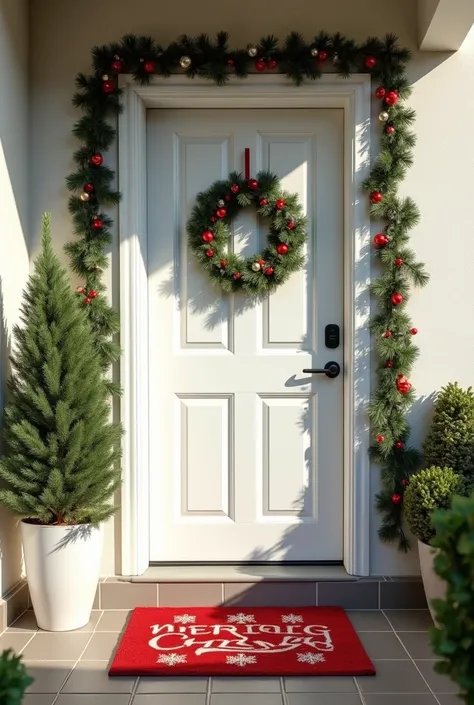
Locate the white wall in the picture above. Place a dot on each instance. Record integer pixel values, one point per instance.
(14, 219)
(441, 182)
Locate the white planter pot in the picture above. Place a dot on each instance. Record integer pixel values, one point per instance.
(435, 587)
(62, 569)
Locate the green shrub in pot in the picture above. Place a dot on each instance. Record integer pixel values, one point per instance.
(450, 440)
(430, 489)
(453, 641)
(14, 679)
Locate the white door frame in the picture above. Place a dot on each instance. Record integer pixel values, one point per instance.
(353, 96)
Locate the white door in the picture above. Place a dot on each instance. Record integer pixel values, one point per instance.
(246, 450)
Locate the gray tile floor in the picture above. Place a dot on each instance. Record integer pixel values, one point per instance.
(71, 669)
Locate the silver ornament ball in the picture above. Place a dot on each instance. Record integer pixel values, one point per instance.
(383, 116)
(85, 197)
(221, 203)
(105, 77)
(252, 51)
(256, 267)
(185, 62)
(314, 52)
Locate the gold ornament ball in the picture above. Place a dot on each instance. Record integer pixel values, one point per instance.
(314, 52)
(105, 77)
(85, 197)
(256, 267)
(185, 62)
(383, 116)
(252, 51)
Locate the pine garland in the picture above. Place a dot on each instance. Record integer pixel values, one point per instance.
(98, 96)
(209, 234)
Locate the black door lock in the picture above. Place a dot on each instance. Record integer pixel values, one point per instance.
(331, 336)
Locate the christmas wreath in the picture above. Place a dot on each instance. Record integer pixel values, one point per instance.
(209, 230)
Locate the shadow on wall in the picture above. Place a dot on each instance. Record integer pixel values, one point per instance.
(10, 540)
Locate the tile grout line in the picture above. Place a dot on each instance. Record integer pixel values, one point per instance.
(209, 690)
(413, 661)
(283, 689)
(77, 661)
(362, 699)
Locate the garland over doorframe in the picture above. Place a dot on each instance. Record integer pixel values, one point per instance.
(91, 184)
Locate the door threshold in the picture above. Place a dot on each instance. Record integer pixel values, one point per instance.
(224, 573)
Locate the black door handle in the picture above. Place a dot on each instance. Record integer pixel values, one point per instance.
(331, 369)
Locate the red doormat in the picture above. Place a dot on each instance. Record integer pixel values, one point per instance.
(263, 641)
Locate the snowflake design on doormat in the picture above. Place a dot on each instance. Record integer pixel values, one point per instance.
(241, 618)
(184, 619)
(308, 657)
(291, 618)
(240, 660)
(171, 659)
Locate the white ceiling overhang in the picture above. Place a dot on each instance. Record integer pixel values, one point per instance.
(444, 24)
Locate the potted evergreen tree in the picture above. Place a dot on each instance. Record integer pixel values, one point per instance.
(429, 490)
(61, 461)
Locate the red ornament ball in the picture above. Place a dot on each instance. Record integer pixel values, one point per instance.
(80, 290)
(404, 483)
(399, 445)
(380, 439)
(282, 248)
(108, 86)
(87, 301)
(391, 98)
(398, 262)
(291, 225)
(260, 65)
(149, 66)
(96, 159)
(376, 197)
(209, 253)
(223, 263)
(207, 236)
(253, 184)
(213, 219)
(389, 363)
(396, 498)
(387, 334)
(269, 271)
(97, 224)
(380, 240)
(272, 64)
(263, 201)
(221, 212)
(92, 294)
(88, 188)
(227, 197)
(369, 62)
(261, 262)
(413, 331)
(390, 129)
(380, 92)
(237, 275)
(322, 56)
(396, 298)
(403, 385)
(117, 65)
(235, 188)
(230, 61)
(280, 204)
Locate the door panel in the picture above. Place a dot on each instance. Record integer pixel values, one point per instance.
(246, 451)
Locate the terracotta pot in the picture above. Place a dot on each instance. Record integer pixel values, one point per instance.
(435, 587)
(62, 569)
